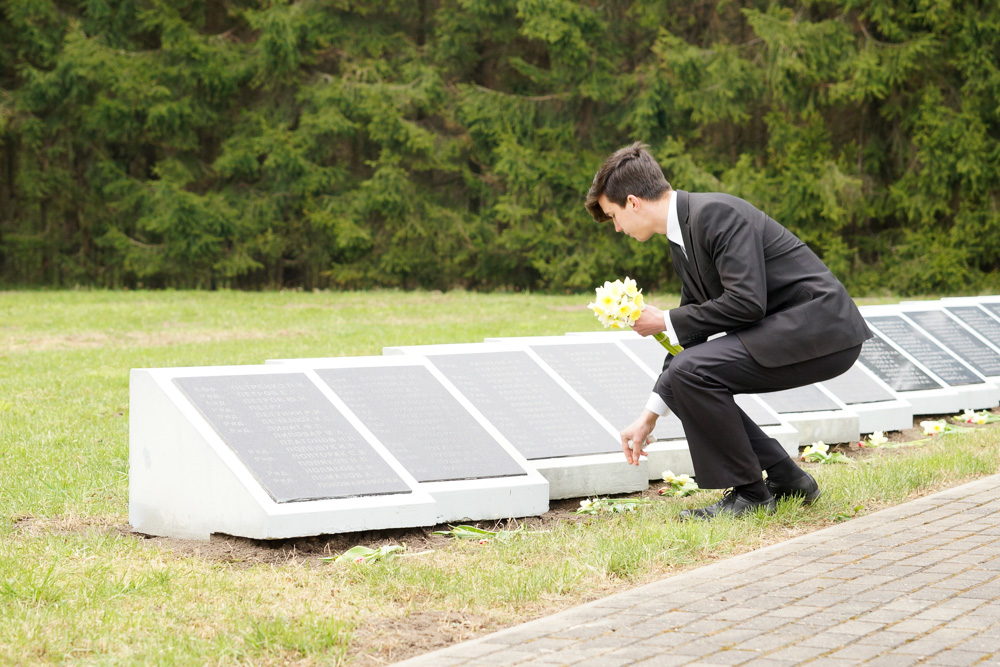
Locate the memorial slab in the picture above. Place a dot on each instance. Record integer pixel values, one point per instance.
(257, 452)
(469, 469)
(993, 307)
(616, 385)
(974, 313)
(575, 450)
(877, 405)
(651, 354)
(815, 413)
(961, 340)
(979, 320)
(794, 417)
(973, 390)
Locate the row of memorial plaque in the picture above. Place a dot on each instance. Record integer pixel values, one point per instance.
(546, 400)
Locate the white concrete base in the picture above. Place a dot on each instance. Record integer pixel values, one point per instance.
(670, 455)
(978, 396)
(486, 499)
(829, 426)
(884, 416)
(596, 475)
(786, 435)
(933, 401)
(185, 482)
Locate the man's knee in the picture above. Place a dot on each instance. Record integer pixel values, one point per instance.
(682, 367)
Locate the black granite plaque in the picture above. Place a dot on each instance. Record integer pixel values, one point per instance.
(526, 405)
(800, 399)
(609, 380)
(855, 387)
(290, 437)
(893, 368)
(977, 318)
(652, 354)
(959, 340)
(424, 426)
(924, 350)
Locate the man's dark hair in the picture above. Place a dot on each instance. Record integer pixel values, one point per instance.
(629, 171)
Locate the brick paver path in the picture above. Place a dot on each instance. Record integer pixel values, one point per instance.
(916, 584)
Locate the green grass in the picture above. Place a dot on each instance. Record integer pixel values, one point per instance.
(77, 588)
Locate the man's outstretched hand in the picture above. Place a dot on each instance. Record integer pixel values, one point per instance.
(635, 437)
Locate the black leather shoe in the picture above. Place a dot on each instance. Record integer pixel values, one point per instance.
(732, 503)
(804, 487)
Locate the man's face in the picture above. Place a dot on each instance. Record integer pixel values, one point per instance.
(629, 218)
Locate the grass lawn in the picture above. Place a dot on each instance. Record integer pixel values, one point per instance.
(77, 587)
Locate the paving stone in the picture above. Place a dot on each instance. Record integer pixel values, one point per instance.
(922, 647)
(550, 644)
(982, 642)
(733, 614)
(769, 662)
(887, 640)
(763, 622)
(828, 640)
(706, 627)
(893, 660)
(798, 652)
(933, 594)
(971, 622)
(957, 658)
(885, 615)
(473, 650)
(668, 660)
(859, 628)
(733, 657)
(857, 652)
(938, 614)
(632, 653)
(511, 656)
(603, 661)
(950, 635)
(915, 626)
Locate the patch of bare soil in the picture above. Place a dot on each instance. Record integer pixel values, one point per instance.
(245, 552)
(397, 639)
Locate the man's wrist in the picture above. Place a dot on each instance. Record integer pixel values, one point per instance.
(655, 406)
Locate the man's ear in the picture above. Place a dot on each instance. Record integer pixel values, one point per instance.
(632, 199)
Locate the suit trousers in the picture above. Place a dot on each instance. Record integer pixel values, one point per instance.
(727, 448)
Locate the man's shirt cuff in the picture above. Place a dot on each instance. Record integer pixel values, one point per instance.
(669, 328)
(656, 405)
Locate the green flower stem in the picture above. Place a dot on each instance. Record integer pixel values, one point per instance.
(665, 342)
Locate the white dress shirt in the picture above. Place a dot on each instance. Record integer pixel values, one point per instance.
(655, 403)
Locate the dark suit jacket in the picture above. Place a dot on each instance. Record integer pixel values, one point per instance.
(748, 275)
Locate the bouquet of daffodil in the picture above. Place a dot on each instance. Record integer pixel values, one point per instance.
(819, 452)
(973, 417)
(611, 505)
(940, 427)
(619, 304)
(678, 485)
(875, 439)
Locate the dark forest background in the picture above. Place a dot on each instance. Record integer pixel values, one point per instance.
(449, 143)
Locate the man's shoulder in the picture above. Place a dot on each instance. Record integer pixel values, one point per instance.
(703, 198)
(713, 205)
